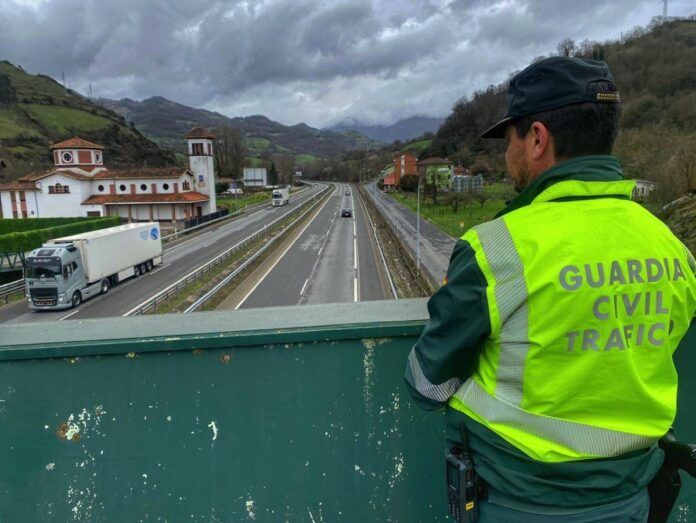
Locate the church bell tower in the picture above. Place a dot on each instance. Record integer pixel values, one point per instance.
(202, 164)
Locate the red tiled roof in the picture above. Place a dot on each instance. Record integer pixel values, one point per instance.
(142, 172)
(18, 186)
(200, 132)
(64, 172)
(435, 161)
(76, 143)
(180, 197)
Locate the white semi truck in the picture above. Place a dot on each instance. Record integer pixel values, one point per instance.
(281, 196)
(64, 272)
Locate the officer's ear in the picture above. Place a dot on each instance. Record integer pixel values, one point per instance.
(539, 143)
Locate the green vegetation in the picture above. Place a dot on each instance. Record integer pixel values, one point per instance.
(304, 159)
(256, 144)
(31, 236)
(36, 111)
(416, 147)
(469, 213)
(244, 200)
(654, 71)
(64, 119)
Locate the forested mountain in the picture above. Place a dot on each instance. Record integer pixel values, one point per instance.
(655, 70)
(166, 122)
(36, 111)
(403, 130)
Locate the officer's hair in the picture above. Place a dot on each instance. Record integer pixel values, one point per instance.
(579, 129)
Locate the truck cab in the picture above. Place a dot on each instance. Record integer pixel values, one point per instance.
(55, 278)
(281, 196)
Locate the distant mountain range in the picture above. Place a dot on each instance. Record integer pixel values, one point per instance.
(403, 130)
(166, 122)
(36, 111)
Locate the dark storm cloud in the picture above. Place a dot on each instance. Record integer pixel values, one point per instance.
(301, 60)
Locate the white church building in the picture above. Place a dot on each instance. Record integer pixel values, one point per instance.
(80, 185)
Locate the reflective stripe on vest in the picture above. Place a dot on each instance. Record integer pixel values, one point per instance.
(532, 386)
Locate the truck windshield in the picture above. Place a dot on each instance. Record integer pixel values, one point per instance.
(277, 194)
(43, 271)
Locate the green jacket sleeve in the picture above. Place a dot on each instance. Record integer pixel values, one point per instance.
(448, 350)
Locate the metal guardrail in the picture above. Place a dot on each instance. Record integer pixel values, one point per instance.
(11, 288)
(175, 288)
(238, 212)
(212, 292)
(425, 285)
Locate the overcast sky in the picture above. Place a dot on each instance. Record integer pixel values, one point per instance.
(313, 61)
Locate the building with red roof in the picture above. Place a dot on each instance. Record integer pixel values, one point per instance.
(79, 184)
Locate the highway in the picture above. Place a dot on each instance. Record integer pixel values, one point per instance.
(334, 259)
(436, 246)
(179, 259)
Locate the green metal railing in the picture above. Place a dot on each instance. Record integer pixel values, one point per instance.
(285, 414)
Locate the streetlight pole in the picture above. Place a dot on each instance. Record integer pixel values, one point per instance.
(420, 179)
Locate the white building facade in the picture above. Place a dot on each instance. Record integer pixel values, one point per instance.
(80, 185)
(255, 177)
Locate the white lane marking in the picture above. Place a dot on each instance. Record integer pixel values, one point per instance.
(209, 244)
(354, 230)
(355, 289)
(320, 251)
(281, 256)
(160, 268)
(304, 287)
(130, 312)
(68, 315)
(355, 254)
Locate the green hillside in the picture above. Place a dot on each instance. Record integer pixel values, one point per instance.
(36, 111)
(166, 122)
(655, 70)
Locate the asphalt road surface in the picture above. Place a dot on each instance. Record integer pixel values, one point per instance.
(179, 259)
(436, 246)
(334, 259)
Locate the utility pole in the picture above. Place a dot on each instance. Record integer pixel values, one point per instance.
(62, 75)
(664, 9)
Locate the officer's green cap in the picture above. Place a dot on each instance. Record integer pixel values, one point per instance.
(554, 83)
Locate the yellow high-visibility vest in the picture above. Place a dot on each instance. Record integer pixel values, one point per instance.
(588, 299)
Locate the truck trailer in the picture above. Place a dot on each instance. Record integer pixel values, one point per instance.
(64, 272)
(281, 196)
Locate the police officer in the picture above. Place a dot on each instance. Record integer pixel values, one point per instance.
(551, 341)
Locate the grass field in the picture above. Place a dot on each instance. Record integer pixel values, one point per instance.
(456, 224)
(417, 146)
(304, 159)
(244, 200)
(63, 119)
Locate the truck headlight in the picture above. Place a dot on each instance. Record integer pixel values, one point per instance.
(61, 296)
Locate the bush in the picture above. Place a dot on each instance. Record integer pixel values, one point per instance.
(408, 183)
(29, 224)
(31, 239)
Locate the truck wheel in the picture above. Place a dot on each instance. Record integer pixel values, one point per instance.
(105, 284)
(136, 271)
(76, 299)
(143, 268)
(148, 265)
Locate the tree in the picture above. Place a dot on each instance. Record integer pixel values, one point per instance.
(566, 47)
(286, 168)
(457, 200)
(481, 197)
(230, 153)
(408, 183)
(273, 174)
